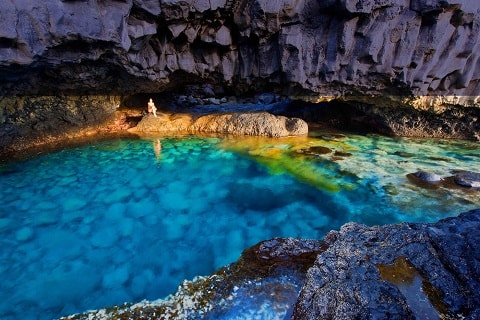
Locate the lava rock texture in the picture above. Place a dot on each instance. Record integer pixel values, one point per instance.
(351, 279)
(252, 123)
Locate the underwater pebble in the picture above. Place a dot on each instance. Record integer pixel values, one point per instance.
(116, 277)
(115, 212)
(45, 218)
(24, 234)
(67, 181)
(117, 195)
(46, 205)
(105, 237)
(4, 224)
(70, 204)
(174, 201)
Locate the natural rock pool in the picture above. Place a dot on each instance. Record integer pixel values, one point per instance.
(129, 219)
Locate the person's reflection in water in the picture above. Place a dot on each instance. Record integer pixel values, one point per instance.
(157, 148)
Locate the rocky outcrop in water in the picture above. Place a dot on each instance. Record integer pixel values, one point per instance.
(251, 123)
(266, 279)
(402, 271)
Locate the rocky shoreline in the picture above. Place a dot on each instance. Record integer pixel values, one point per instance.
(401, 271)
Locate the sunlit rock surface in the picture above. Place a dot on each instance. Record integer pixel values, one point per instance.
(252, 123)
(402, 271)
(32, 119)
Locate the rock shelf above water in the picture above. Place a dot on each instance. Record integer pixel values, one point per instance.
(359, 272)
(246, 123)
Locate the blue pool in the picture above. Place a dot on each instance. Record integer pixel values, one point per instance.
(129, 219)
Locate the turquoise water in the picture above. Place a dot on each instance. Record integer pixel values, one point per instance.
(129, 219)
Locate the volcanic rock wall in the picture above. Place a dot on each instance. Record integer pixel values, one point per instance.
(415, 53)
(328, 47)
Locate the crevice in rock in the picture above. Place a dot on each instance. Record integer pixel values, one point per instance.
(339, 115)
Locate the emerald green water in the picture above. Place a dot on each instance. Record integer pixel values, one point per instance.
(129, 219)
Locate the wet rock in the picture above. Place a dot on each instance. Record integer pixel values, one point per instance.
(401, 271)
(348, 280)
(427, 176)
(427, 180)
(270, 272)
(404, 154)
(342, 154)
(317, 150)
(468, 179)
(39, 117)
(267, 98)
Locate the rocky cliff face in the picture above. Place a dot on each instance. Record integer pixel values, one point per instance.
(327, 47)
(373, 55)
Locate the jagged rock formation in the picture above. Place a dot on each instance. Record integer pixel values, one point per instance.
(402, 271)
(37, 117)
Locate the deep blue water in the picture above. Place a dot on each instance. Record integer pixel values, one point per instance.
(129, 219)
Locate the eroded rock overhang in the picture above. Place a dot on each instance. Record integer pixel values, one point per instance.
(329, 48)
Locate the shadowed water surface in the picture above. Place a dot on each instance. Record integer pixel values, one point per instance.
(129, 219)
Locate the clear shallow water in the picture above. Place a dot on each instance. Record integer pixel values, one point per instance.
(126, 220)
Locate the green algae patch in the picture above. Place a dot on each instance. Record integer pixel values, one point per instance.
(422, 297)
(292, 155)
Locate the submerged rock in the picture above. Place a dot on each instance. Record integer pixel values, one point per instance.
(264, 283)
(401, 271)
(427, 180)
